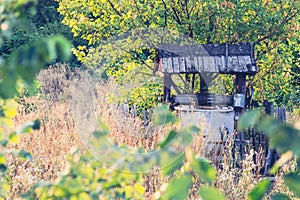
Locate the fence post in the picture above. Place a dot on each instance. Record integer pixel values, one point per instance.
(280, 114)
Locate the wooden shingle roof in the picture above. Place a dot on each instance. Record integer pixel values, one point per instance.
(197, 58)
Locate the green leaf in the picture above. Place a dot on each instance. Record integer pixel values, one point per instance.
(2, 158)
(36, 124)
(178, 189)
(14, 138)
(26, 155)
(8, 86)
(292, 181)
(169, 169)
(4, 143)
(260, 190)
(163, 116)
(285, 138)
(168, 139)
(210, 193)
(194, 129)
(205, 170)
(279, 196)
(3, 168)
(249, 119)
(138, 188)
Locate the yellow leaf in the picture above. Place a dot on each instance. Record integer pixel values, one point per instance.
(14, 138)
(139, 188)
(2, 159)
(128, 192)
(84, 195)
(10, 108)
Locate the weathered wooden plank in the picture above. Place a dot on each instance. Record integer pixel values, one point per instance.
(194, 62)
(206, 64)
(176, 64)
(188, 64)
(164, 64)
(170, 65)
(218, 62)
(134, 111)
(200, 67)
(209, 64)
(182, 64)
(247, 61)
(232, 64)
(223, 64)
(241, 64)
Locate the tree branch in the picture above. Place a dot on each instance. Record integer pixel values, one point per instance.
(285, 21)
(114, 8)
(165, 13)
(176, 15)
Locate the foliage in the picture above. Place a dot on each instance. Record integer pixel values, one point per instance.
(284, 139)
(17, 69)
(42, 20)
(87, 178)
(122, 36)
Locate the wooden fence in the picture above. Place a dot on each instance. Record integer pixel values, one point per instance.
(243, 141)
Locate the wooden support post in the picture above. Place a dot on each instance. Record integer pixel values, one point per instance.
(269, 108)
(203, 84)
(240, 85)
(167, 88)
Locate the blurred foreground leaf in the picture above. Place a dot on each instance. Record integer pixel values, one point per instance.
(169, 169)
(163, 116)
(205, 170)
(282, 137)
(178, 189)
(26, 62)
(210, 193)
(278, 196)
(171, 135)
(25, 154)
(292, 181)
(260, 190)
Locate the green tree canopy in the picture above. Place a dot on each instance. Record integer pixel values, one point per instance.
(273, 26)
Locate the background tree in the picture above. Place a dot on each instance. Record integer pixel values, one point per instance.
(42, 21)
(273, 26)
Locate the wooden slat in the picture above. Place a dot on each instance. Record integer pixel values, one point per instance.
(182, 64)
(194, 62)
(170, 65)
(241, 64)
(200, 67)
(176, 64)
(218, 62)
(247, 61)
(232, 64)
(188, 64)
(206, 63)
(164, 65)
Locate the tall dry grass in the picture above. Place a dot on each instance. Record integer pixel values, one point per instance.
(61, 87)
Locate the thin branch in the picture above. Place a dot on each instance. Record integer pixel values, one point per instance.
(188, 18)
(147, 74)
(165, 13)
(176, 15)
(285, 21)
(114, 8)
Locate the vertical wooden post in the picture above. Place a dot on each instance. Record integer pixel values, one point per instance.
(269, 108)
(203, 84)
(240, 85)
(280, 114)
(167, 88)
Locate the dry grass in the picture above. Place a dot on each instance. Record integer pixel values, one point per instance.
(50, 145)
